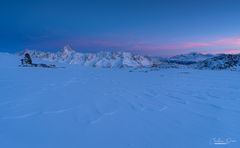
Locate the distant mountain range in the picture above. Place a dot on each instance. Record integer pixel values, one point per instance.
(100, 59)
(127, 59)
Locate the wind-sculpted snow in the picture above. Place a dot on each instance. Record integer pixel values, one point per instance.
(84, 107)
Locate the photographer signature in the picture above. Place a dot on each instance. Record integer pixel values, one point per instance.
(222, 141)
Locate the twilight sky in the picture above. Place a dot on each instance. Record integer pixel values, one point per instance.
(154, 27)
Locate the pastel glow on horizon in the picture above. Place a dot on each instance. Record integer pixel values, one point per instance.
(147, 45)
(154, 47)
(225, 51)
(151, 27)
(218, 42)
(219, 45)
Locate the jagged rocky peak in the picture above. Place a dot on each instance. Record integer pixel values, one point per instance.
(65, 53)
(67, 49)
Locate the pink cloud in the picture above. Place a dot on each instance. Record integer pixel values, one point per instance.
(217, 42)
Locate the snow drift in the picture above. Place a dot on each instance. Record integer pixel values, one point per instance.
(85, 107)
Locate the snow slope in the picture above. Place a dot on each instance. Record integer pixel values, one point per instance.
(83, 107)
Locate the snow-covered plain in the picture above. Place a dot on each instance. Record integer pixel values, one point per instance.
(84, 107)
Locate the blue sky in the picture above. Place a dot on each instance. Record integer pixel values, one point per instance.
(155, 27)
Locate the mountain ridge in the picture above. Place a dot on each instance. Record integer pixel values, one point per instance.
(127, 59)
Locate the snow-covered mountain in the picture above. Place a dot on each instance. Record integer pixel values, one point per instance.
(191, 57)
(223, 61)
(126, 59)
(100, 59)
(207, 61)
